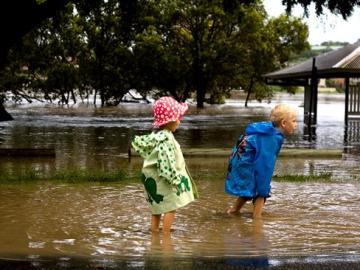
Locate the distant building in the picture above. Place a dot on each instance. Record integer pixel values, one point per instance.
(322, 83)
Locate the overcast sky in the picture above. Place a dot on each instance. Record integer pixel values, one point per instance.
(327, 27)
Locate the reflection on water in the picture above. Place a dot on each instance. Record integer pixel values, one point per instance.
(112, 222)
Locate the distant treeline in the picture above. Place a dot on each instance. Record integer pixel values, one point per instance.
(316, 50)
(102, 49)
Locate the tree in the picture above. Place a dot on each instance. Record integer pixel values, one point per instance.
(201, 46)
(198, 44)
(44, 65)
(280, 40)
(345, 8)
(73, 52)
(17, 18)
(107, 63)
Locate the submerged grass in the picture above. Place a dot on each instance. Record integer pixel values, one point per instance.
(82, 176)
(322, 177)
(67, 176)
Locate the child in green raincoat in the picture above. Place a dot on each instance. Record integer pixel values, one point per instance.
(168, 184)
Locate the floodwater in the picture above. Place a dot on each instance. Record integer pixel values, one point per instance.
(107, 223)
(84, 137)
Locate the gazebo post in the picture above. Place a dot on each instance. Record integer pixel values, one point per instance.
(314, 92)
(347, 81)
(310, 106)
(307, 111)
(307, 101)
(315, 101)
(312, 114)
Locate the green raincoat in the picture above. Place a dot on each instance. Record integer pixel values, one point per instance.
(167, 182)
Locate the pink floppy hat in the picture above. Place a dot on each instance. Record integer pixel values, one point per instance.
(167, 109)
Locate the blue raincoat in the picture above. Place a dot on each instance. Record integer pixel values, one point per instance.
(253, 161)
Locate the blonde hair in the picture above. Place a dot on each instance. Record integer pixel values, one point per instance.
(281, 112)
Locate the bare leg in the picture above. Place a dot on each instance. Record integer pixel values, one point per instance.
(155, 222)
(167, 242)
(258, 206)
(168, 221)
(237, 206)
(155, 239)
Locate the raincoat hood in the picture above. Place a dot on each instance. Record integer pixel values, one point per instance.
(145, 144)
(264, 128)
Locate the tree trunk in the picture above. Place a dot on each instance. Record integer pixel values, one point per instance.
(73, 96)
(63, 98)
(102, 97)
(200, 96)
(4, 115)
(95, 94)
(200, 90)
(249, 91)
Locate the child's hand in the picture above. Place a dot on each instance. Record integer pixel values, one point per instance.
(183, 186)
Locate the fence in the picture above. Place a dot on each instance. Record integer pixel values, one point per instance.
(354, 101)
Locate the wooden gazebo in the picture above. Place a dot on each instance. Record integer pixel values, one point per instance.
(341, 63)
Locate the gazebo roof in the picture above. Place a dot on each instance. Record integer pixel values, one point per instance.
(344, 62)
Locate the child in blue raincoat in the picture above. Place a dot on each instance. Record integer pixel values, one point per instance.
(253, 159)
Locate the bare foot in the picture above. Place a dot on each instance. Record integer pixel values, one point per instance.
(257, 216)
(232, 210)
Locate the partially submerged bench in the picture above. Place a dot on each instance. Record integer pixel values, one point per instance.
(27, 152)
